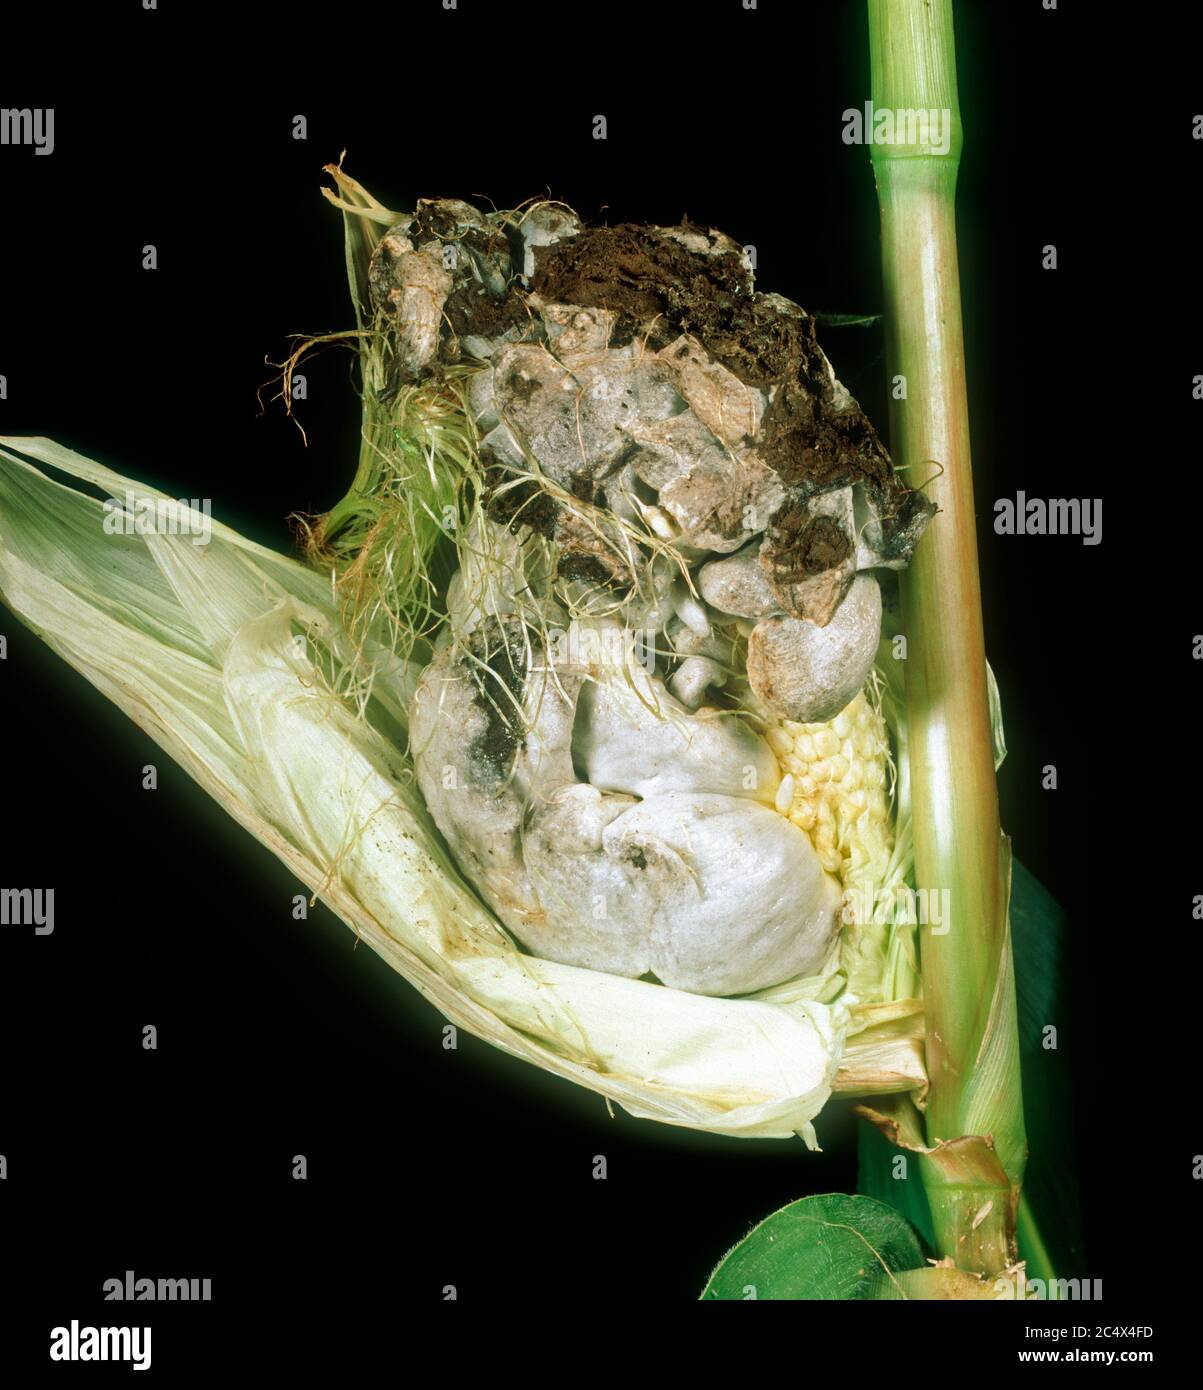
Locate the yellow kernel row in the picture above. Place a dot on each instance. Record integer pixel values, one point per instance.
(839, 771)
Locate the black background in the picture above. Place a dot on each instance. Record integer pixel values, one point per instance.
(429, 1167)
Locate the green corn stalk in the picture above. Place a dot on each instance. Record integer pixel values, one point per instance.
(975, 1147)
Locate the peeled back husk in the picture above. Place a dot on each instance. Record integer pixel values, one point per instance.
(223, 653)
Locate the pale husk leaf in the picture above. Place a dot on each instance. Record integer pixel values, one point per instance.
(221, 653)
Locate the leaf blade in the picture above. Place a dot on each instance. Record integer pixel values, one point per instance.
(833, 1246)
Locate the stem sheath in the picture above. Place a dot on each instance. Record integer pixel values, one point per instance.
(972, 1045)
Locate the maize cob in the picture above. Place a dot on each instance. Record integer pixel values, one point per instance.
(843, 785)
(841, 771)
(444, 540)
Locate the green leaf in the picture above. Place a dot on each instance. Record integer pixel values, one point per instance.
(829, 1247)
(1050, 1230)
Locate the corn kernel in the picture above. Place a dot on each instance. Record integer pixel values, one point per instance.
(780, 742)
(827, 744)
(785, 794)
(839, 775)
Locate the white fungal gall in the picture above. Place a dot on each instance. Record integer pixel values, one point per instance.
(572, 329)
(689, 610)
(730, 409)
(718, 496)
(806, 673)
(676, 449)
(694, 677)
(544, 224)
(809, 555)
(612, 792)
(417, 299)
(637, 738)
(738, 585)
(570, 413)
